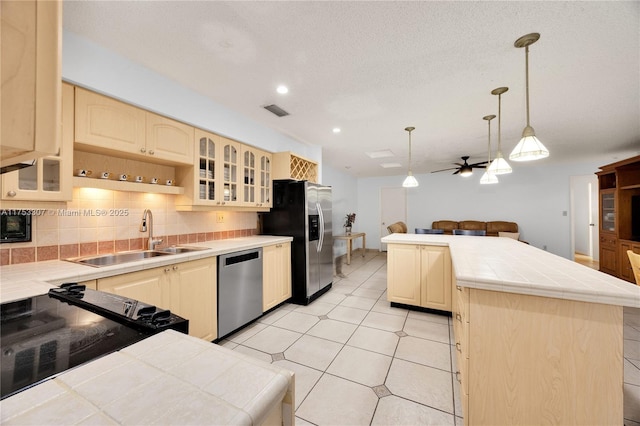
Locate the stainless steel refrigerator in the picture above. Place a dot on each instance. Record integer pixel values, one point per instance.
(302, 210)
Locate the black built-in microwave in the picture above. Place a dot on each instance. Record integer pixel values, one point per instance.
(15, 226)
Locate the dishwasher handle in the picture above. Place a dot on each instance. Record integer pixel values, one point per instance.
(240, 258)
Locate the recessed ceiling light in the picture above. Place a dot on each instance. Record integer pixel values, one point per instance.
(390, 165)
(336, 130)
(282, 89)
(380, 154)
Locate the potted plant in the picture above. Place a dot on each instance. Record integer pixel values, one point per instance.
(348, 223)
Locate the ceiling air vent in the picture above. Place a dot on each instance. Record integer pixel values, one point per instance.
(275, 109)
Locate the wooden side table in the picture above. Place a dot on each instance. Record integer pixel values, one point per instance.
(349, 238)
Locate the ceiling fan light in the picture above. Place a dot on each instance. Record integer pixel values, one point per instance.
(466, 171)
(488, 179)
(499, 166)
(410, 181)
(529, 148)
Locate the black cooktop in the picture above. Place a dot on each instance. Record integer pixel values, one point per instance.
(44, 335)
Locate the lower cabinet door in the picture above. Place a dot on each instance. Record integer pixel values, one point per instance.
(146, 286)
(193, 296)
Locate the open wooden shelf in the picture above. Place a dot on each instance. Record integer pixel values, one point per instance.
(116, 185)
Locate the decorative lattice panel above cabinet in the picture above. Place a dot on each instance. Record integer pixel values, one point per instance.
(287, 165)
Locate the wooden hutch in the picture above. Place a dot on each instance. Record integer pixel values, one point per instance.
(618, 184)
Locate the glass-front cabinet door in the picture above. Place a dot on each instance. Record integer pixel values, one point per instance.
(608, 212)
(230, 171)
(206, 173)
(264, 196)
(249, 169)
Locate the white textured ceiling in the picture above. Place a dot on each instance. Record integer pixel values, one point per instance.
(374, 68)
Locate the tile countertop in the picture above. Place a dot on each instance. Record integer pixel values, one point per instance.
(29, 279)
(504, 264)
(151, 382)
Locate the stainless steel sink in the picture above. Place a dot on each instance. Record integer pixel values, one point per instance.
(118, 258)
(180, 249)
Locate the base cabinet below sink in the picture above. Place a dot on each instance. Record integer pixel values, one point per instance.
(188, 289)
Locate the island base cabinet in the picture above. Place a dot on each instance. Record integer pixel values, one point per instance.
(419, 275)
(188, 289)
(539, 360)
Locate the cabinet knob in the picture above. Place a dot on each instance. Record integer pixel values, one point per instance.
(458, 377)
(151, 152)
(458, 288)
(143, 150)
(11, 193)
(459, 317)
(458, 347)
(167, 269)
(175, 267)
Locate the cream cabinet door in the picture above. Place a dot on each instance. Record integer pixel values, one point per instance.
(276, 275)
(229, 182)
(435, 278)
(265, 183)
(109, 124)
(149, 286)
(169, 140)
(403, 274)
(30, 61)
(201, 186)
(50, 178)
(194, 296)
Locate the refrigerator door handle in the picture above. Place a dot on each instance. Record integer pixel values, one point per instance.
(321, 241)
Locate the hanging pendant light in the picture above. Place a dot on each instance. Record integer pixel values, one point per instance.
(529, 148)
(488, 177)
(410, 181)
(499, 165)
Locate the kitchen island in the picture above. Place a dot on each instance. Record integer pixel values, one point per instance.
(539, 339)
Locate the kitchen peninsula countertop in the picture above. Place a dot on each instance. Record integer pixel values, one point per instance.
(28, 279)
(168, 378)
(507, 265)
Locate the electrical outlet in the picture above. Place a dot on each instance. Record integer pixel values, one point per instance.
(220, 217)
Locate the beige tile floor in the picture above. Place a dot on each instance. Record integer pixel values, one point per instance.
(358, 361)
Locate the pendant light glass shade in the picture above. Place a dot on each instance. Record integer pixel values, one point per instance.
(529, 148)
(488, 177)
(410, 181)
(499, 165)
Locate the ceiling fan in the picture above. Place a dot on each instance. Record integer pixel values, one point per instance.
(465, 169)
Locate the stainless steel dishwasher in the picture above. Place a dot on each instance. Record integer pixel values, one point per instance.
(239, 289)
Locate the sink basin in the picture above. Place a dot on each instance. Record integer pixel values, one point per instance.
(118, 258)
(180, 249)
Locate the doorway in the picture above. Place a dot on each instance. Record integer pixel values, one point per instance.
(393, 208)
(584, 218)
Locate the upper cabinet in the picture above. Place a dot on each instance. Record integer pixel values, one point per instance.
(256, 172)
(169, 139)
(50, 178)
(30, 51)
(226, 174)
(106, 125)
(287, 165)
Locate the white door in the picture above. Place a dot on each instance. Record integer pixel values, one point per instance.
(393, 208)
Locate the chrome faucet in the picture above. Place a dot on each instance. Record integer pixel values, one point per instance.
(143, 228)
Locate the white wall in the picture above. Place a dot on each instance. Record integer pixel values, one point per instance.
(89, 65)
(535, 196)
(345, 200)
